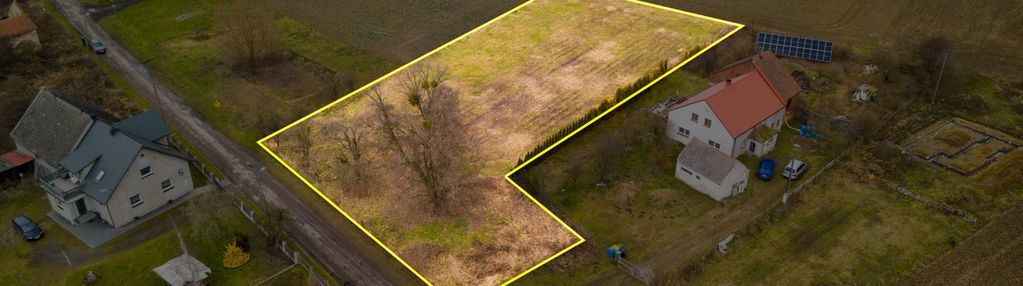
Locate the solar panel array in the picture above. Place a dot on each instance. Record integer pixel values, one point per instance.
(795, 47)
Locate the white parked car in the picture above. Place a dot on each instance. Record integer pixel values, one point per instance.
(794, 169)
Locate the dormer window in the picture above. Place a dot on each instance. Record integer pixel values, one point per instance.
(146, 171)
(99, 176)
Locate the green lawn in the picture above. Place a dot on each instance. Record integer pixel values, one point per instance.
(130, 258)
(206, 237)
(22, 261)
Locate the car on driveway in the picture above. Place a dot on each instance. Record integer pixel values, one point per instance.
(97, 47)
(27, 228)
(766, 170)
(794, 169)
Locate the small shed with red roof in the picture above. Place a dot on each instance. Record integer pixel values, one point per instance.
(15, 164)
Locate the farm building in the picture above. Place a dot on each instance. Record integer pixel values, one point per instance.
(16, 28)
(735, 116)
(707, 170)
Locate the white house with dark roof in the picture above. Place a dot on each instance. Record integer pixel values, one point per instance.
(92, 169)
(709, 171)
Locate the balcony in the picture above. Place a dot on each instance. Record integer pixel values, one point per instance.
(63, 189)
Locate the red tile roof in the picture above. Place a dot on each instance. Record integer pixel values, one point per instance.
(16, 158)
(740, 103)
(767, 64)
(15, 26)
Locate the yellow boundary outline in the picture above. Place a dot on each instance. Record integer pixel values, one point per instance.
(508, 175)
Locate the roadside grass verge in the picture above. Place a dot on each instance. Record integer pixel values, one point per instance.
(194, 70)
(133, 94)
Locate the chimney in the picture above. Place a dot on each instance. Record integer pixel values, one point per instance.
(113, 130)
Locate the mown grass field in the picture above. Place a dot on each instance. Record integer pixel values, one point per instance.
(130, 258)
(519, 80)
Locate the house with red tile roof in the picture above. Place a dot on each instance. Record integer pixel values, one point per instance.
(16, 28)
(778, 77)
(735, 116)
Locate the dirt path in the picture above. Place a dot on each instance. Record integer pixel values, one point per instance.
(314, 233)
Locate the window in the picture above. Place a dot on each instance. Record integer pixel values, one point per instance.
(686, 170)
(696, 118)
(135, 200)
(167, 185)
(145, 172)
(715, 144)
(706, 122)
(100, 175)
(684, 132)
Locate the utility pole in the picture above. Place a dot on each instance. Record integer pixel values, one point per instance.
(788, 184)
(941, 72)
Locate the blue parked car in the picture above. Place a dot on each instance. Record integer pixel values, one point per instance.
(766, 170)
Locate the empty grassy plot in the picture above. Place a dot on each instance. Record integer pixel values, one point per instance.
(842, 231)
(418, 157)
(181, 43)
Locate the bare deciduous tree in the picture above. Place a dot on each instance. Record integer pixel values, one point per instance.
(607, 156)
(351, 141)
(250, 35)
(431, 141)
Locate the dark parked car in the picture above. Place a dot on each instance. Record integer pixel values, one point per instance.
(97, 47)
(27, 228)
(766, 170)
(794, 169)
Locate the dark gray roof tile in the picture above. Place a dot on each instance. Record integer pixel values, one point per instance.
(706, 160)
(51, 127)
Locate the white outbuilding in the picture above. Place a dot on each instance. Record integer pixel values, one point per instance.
(709, 171)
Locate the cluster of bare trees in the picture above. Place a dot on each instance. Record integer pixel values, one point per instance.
(250, 39)
(422, 136)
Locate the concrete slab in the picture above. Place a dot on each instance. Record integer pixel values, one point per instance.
(96, 233)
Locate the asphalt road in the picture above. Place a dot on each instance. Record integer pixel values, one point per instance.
(314, 233)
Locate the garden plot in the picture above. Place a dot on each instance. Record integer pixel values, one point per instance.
(960, 146)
